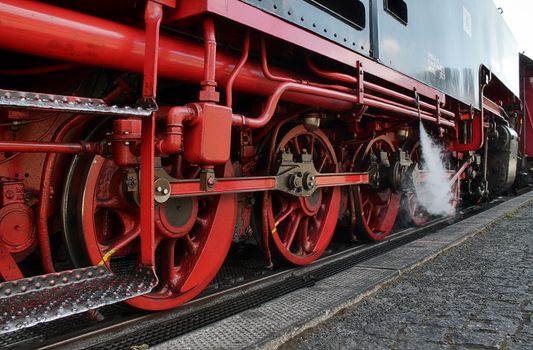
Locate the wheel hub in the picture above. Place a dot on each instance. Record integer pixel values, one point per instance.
(311, 205)
(176, 216)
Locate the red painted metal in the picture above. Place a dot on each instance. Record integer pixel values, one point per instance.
(260, 183)
(475, 121)
(46, 147)
(270, 109)
(278, 78)
(208, 92)
(301, 227)
(527, 149)
(9, 269)
(125, 137)
(171, 142)
(494, 108)
(17, 227)
(405, 111)
(376, 208)
(409, 99)
(457, 175)
(335, 76)
(236, 71)
(190, 255)
(152, 17)
(223, 185)
(341, 179)
(208, 137)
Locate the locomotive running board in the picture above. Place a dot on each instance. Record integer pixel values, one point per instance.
(29, 301)
(70, 104)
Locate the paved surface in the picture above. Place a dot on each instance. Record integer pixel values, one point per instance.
(476, 296)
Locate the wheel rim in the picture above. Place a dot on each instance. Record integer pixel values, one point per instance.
(377, 209)
(302, 227)
(189, 250)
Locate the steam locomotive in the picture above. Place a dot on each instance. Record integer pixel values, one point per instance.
(139, 139)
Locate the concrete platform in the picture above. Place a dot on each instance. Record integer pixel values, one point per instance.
(274, 323)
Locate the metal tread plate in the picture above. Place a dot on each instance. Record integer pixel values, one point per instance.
(29, 301)
(69, 104)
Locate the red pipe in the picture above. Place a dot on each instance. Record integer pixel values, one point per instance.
(238, 67)
(272, 103)
(402, 97)
(41, 29)
(399, 105)
(370, 101)
(278, 78)
(171, 143)
(210, 56)
(209, 84)
(341, 77)
(42, 147)
(264, 66)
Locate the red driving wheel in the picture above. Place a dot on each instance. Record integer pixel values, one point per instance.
(192, 235)
(302, 227)
(376, 208)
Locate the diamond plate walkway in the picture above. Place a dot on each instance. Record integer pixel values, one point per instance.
(475, 296)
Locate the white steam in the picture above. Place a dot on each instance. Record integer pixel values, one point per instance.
(435, 193)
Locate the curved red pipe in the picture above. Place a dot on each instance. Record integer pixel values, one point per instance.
(238, 67)
(272, 103)
(341, 77)
(171, 143)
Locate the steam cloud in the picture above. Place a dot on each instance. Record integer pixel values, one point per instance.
(435, 193)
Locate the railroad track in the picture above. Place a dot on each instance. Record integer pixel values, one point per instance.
(129, 329)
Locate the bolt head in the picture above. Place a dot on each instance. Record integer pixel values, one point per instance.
(159, 189)
(165, 191)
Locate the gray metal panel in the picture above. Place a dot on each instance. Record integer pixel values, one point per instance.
(309, 15)
(444, 43)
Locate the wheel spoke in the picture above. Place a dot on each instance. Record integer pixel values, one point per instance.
(312, 144)
(109, 203)
(297, 149)
(322, 163)
(168, 269)
(189, 243)
(291, 230)
(304, 232)
(122, 242)
(284, 214)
